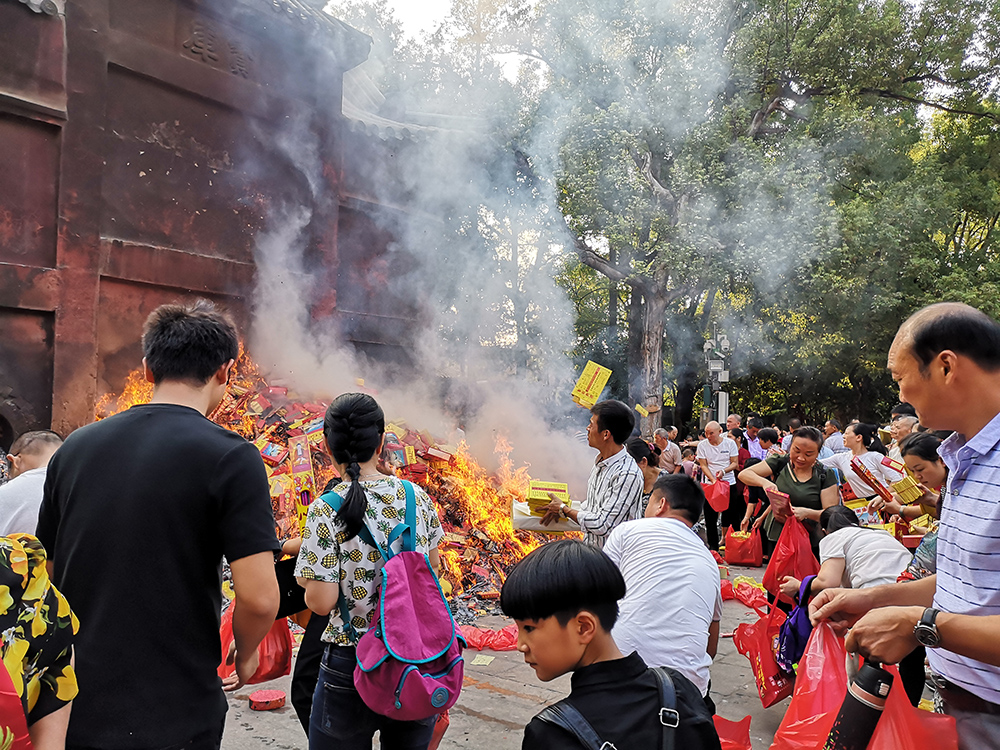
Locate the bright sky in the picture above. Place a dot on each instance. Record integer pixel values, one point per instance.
(419, 15)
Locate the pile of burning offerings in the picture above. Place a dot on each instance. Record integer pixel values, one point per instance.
(475, 507)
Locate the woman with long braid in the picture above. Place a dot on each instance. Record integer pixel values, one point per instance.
(341, 574)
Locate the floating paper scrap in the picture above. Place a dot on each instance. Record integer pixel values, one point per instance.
(588, 388)
(482, 660)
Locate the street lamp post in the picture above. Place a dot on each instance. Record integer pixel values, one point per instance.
(717, 352)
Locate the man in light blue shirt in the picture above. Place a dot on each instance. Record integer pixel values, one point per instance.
(834, 437)
(946, 359)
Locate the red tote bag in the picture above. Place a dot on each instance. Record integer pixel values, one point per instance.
(13, 724)
(792, 556)
(757, 641)
(717, 495)
(275, 650)
(744, 548)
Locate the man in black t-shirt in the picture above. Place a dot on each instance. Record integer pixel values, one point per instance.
(138, 511)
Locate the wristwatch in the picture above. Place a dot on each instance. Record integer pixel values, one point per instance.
(925, 631)
(565, 510)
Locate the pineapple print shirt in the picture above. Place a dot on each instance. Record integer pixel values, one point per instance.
(36, 630)
(327, 555)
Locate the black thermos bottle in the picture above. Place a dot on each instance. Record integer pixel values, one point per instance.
(861, 709)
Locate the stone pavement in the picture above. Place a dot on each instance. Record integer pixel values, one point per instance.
(499, 698)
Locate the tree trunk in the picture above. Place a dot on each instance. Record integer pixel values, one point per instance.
(689, 365)
(635, 389)
(612, 300)
(651, 361)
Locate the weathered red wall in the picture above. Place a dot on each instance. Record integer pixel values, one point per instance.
(139, 157)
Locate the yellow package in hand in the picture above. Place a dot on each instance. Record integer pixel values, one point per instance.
(539, 494)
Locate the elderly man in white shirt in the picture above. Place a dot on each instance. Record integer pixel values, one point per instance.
(673, 603)
(22, 495)
(718, 457)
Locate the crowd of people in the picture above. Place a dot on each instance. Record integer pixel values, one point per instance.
(161, 494)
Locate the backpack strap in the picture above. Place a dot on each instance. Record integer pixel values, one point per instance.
(406, 529)
(563, 715)
(334, 500)
(670, 719)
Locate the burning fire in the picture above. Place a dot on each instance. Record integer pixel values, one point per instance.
(475, 506)
(481, 505)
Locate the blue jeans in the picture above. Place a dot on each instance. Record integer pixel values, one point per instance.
(340, 719)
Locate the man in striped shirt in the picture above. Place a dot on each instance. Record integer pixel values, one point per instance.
(614, 492)
(946, 359)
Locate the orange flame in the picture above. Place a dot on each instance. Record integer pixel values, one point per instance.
(476, 505)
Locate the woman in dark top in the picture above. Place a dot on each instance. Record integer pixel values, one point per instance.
(810, 486)
(648, 459)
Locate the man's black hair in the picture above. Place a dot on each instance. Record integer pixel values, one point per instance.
(562, 579)
(903, 410)
(682, 494)
(794, 423)
(960, 328)
(615, 417)
(768, 434)
(835, 423)
(755, 422)
(188, 342)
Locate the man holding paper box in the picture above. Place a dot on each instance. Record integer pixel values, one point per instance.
(614, 492)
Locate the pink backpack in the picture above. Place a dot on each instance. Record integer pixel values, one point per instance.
(410, 663)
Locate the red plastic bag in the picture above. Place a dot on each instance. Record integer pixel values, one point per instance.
(12, 718)
(492, 640)
(792, 556)
(275, 650)
(751, 596)
(820, 689)
(734, 735)
(440, 727)
(744, 550)
(903, 727)
(758, 642)
(727, 591)
(717, 494)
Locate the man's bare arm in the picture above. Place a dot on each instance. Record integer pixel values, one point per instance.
(713, 639)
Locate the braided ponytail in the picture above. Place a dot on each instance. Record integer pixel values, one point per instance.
(353, 429)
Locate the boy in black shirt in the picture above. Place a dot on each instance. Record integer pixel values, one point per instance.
(138, 511)
(564, 598)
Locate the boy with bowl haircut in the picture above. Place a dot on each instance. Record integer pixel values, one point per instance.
(564, 598)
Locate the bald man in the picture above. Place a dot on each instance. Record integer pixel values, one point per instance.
(946, 359)
(22, 495)
(718, 457)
